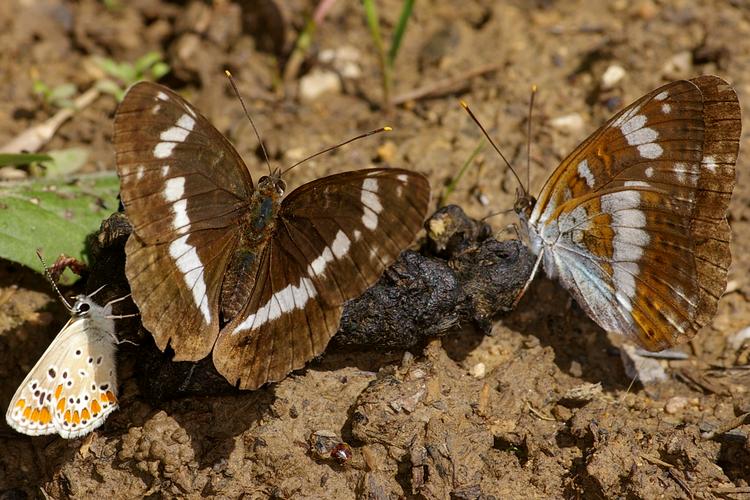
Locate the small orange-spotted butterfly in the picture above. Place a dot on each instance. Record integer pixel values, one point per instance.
(633, 222)
(73, 387)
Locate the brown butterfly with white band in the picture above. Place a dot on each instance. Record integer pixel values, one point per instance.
(216, 263)
(633, 222)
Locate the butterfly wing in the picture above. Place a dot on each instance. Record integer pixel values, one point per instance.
(183, 186)
(633, 222)
(334, 238)
(72, 388)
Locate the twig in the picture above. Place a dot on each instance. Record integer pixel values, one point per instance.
(731, 490)
(447, 86)
(722, 429)
(538, 414)
(33, 139)
(656, 461)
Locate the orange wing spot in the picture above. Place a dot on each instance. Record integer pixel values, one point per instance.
(58, 391)
(35, 415)
(111, 397)
(45, 417)
(76, 418)
(61, 406)
(95, 408)
(85, 415)
(103, 397)
(27, 412)
(21, 403)
(68, 417)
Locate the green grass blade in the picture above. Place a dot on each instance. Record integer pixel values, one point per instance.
(373, 23)
(16, 159)
(398, 33)
(448, 190)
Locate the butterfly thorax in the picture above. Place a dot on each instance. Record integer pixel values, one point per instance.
(256, 229)
(95, 318)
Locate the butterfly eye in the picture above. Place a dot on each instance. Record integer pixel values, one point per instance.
(280, 186)
(82, 308)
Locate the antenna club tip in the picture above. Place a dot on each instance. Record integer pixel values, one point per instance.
(463, 104)
(226, 72)
(534, 88)
(387, 129)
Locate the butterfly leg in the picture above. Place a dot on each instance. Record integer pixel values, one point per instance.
(114, 301)
(531, 278)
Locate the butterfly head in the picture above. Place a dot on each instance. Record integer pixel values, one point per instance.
(524, 204)
(272, 182)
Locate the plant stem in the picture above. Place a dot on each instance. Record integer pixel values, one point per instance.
(448, 190)
(373, 23)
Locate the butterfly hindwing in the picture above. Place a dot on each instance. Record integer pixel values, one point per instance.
(335, 237)
(634, 219)
(177, 286)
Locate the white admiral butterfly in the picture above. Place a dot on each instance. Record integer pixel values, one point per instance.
(216, 263)
(633, 222)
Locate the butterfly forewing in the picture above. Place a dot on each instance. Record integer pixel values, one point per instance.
(177, 172)
(335, 237)
(634, 220)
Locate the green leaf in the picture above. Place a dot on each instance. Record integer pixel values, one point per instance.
(123, 72)
(109, 87)
(53, 216)
(64, 162)
(159, 70)
(62, 93)
(17, 159)
(146, 61)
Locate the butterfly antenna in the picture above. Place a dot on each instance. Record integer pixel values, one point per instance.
(255, 129)
(326, 150)
(49, 277)
(495, 214)
(528, 139)
(473, 117)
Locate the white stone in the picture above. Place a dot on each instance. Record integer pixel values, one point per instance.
(572, 123)
(612, 76)
(317, 83)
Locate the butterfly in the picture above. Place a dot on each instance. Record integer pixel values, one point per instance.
(218, 264)
(73, 387)
(633, 222)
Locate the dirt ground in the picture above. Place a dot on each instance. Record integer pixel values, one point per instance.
(425, 424)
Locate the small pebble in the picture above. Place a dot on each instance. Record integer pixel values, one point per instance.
(648, 370)
(739, 338)
(612, 76)
(675, 405)
(345, 60)
(568, 123)
(678, 66)
(478, 371)
(387, 152)
(317, 83)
